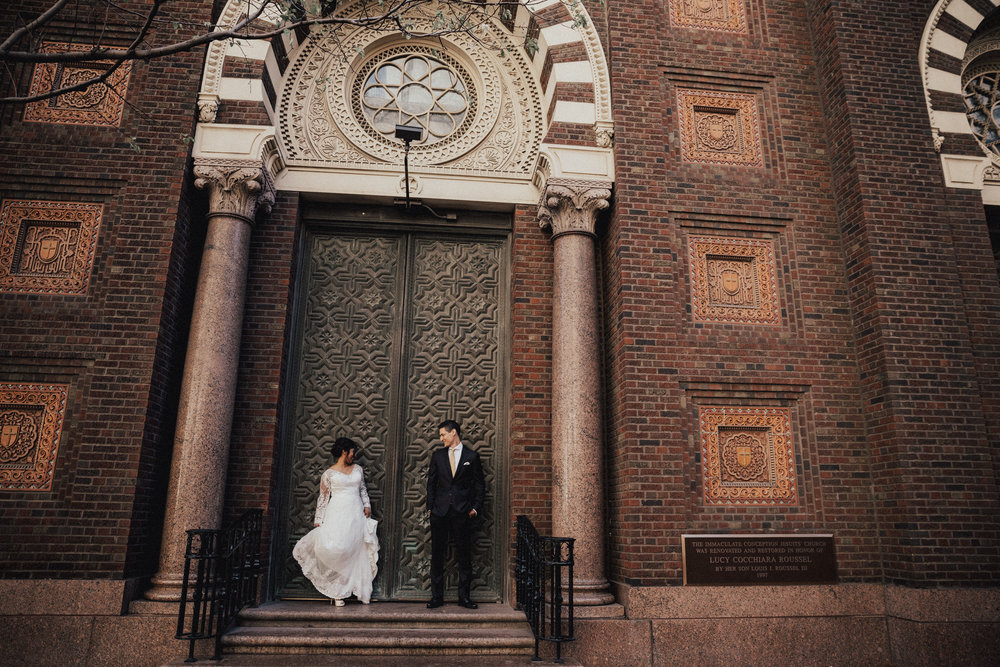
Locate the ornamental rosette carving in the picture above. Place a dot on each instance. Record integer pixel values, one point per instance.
(235, 187)
(571, 206)
(324, 115)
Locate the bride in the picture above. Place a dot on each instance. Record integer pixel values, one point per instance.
(340, 554)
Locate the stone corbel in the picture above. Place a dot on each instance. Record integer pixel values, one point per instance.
(235, 187)
(208, 108)
(604, 135)
(571, 206)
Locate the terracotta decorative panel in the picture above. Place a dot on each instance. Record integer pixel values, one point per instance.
(31, 422)
(722, 15)
(748, 457)
(733, 280)
(47, 247)
(99, 104)
(720, 128)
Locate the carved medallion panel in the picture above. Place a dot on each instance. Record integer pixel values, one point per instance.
(47, 247)
(720, 127)
(721, 15)
(733, 280)
(748, 456)
(480, 111)
(98, 104)
(31, 422)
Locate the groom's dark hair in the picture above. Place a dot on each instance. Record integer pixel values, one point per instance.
(451, 425)
(342, 445)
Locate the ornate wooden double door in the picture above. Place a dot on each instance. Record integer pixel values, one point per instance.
(398, 330)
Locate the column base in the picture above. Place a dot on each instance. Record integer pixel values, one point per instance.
(166, 588)
(592, 593)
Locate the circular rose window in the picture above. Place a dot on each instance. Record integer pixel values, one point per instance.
(415, 89)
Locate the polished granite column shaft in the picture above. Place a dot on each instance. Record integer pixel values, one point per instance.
(569, 208)
(237, 189)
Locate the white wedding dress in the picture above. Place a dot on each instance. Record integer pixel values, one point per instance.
(340, 557)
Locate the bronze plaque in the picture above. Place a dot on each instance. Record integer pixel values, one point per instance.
(740, 560)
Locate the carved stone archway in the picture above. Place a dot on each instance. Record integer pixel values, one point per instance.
(316, 143)
(944, 55)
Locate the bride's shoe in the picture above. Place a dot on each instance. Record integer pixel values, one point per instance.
(338, 603)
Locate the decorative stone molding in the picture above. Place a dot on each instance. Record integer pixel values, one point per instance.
(604, 135)
(943, 86)
(748, 456)
(720, 15)
(99, 104)
(215, 56)
(985, 43)
(325, 125)
(31, 422)
(571, 207)
(208, 109)
(238, 188)
(733, 280)
(47, 247)
(719, 127)
(598, 63)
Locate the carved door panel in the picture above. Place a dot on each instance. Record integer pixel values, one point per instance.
(397, 333)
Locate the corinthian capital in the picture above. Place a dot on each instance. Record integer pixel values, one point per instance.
(235, 187)
(571, 206)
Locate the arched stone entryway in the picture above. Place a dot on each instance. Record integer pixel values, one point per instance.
(522, 138)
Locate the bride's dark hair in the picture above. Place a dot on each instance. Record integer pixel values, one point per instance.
(341, 446)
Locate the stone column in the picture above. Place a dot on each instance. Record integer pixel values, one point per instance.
(237, 189)
(569, 208)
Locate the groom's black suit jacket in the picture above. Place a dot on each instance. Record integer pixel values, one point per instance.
(464, 492)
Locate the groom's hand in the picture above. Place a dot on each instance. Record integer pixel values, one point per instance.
(472, 513)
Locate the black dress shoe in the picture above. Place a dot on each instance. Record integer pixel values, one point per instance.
(434, 604)
(468, 604)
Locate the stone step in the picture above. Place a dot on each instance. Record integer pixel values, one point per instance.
(318, 660)
(358, 641)
(385, 615)
(296, 627)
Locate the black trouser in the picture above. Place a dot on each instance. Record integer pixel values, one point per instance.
(457, 526)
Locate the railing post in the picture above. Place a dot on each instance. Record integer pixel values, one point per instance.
(225, 580)
(544, 573)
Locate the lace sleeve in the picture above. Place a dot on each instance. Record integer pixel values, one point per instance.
(323, 499)
(364, 490)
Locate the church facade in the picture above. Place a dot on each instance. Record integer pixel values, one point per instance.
(679, 268)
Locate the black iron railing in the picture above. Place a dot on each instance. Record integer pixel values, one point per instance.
(221, 577)
(544, 574)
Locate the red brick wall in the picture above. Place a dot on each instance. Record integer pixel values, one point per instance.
(886, 368)
(119, 346)
(885, 356)
(531, 370)
(924, 299)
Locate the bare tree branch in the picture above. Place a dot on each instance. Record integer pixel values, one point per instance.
(262, 20)
(50, 13)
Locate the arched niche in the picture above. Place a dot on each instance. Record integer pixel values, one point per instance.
(319, 140)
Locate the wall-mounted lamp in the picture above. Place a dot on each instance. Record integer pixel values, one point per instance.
(408, 133)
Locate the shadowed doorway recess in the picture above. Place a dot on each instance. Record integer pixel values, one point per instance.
(398, 328)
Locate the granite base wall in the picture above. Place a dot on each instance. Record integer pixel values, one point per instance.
(59, 622)
(849, 624)
(64, 623)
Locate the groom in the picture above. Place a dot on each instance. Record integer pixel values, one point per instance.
(455, 491)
